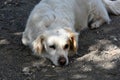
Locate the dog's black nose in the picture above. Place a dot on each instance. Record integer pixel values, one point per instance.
(62, 61)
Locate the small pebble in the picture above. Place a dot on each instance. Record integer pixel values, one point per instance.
(26, 71)
(53, 66)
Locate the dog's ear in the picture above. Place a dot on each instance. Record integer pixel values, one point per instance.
(73, 36)
(73, 42)
(37, 45)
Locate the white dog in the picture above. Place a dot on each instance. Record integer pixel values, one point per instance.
(52, 26)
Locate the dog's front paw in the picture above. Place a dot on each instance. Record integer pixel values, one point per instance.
(95, 25)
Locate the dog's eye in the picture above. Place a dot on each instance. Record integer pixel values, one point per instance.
(52, 46)
(66, 46)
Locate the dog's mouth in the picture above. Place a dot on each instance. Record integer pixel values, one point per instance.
(60, 62)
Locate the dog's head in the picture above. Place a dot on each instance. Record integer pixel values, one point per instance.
(56, 45)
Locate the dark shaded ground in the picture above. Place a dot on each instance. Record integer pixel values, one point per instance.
(98, 58)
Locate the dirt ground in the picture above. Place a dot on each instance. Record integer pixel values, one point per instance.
(98, 54)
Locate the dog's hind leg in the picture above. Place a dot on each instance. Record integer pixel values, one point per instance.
(113, 6)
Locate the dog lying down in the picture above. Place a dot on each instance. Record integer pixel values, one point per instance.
(53, 26)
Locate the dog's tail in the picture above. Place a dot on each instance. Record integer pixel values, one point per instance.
(113, 6)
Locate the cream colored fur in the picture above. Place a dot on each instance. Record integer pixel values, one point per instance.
(53, 25)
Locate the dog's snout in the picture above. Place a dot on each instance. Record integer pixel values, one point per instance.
(62, 61)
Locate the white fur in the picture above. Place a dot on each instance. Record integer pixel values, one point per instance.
(56, 22)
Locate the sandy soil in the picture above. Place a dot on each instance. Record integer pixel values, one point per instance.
(98, 54)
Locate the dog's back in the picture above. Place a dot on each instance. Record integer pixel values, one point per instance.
(45, 14)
